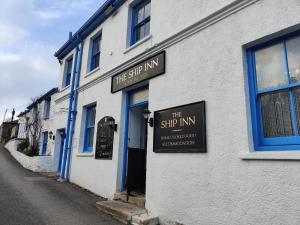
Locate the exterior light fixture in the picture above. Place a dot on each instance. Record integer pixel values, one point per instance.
(146, 115)
(50, 134)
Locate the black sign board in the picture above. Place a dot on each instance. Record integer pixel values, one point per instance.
(149, 68)
(180, 129)
(105, 138)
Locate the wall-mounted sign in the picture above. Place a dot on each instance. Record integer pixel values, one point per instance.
(180, 129)
(149, 68)
(105, 138)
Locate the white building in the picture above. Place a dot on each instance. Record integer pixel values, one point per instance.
(240, 57)
(36, 122)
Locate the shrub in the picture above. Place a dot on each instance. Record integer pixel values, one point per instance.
(23, 145)
(31, 151)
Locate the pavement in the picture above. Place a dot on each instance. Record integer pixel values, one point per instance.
(28, 198)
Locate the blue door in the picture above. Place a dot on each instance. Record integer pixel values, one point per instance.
(45, 142)
(62, 143)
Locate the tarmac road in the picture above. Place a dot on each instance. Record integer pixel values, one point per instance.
(28, 198)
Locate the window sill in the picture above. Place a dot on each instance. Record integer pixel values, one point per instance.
(64, 88)
(91, 72)
(85, 154)
(137, 44)
(268, 155)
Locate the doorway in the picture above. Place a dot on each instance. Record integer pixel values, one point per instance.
(135, 151)
(62, 135)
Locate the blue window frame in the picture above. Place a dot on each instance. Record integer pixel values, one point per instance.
(47, 109)
(141, 15)
(95, 52)
(274, 85)
(89, 128)
(68, 72)
(45, 143)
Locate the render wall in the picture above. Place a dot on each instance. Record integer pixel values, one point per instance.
(99, 176)
(220, 186)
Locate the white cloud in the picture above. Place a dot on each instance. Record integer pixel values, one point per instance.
(10, 35)
(6, 57)
(48, 14)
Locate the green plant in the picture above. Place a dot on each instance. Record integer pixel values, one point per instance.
(23, 145)
(31, 151)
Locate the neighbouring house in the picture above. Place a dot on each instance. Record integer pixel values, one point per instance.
(191, 105)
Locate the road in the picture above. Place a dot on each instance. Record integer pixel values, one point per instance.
(28, 198)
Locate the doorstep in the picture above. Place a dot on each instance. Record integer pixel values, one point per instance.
(127, 213)
(135, 199)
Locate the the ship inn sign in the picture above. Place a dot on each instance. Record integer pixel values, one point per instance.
(180, 129)
(149, 68)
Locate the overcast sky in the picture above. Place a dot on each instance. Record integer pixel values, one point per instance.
(30, 33)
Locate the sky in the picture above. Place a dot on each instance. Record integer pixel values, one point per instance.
(31, 31)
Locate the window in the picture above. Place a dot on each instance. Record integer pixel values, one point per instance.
(95, 52)
(68, 72)
(89, 128)
(47, 109)
(274, 84)
(140, 21)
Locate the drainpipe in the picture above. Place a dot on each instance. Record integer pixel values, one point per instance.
(64, 173)
(75, 99)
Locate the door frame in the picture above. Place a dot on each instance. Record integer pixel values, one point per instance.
(128, 106)
(44, 144)
(62, 134)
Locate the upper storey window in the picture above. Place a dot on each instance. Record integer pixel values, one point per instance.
(274, 84)
(68, 72)
(141, 14)
(95, 52)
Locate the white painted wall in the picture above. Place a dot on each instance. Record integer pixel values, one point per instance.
(217, 187)
(35, 164)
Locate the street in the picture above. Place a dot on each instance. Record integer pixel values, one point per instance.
(28, 198)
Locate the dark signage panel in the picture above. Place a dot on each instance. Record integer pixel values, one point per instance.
(149, 68)
(105, 138)
(181, 129)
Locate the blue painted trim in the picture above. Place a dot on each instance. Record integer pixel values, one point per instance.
(74, 110)
(260, 142)
(68, 71)
(138, 104)
(93, 53)
(87, 127)
(62, 142)
(134, 24)
(66, 149)
(88, 27)
(129, 106)
(44, 143)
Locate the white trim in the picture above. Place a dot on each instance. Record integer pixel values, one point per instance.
(91, 72)
(271, 155)
(137, 43)
(85, 154)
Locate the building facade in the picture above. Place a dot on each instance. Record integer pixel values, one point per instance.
(234, 64)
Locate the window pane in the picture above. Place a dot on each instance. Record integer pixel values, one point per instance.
(140, 32)
(91, 116)
(293, 52)
(276, 114)
(140, 14)
(297, 106)
(90, 137)
(147, 29)
(270, 67)
(70, 65)
(96, 60)
(96, 45)
(147, 10)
